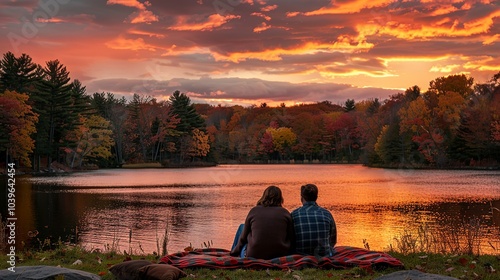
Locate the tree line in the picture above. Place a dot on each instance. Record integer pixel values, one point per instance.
(46, 117)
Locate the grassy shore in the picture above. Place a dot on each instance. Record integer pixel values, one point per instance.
(459, 266)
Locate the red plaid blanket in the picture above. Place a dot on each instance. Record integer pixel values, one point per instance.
(344, 257)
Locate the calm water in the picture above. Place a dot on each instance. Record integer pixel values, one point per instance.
(207, 204)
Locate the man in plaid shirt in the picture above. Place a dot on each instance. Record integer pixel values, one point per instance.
(315, 229)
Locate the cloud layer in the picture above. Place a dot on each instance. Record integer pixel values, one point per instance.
(253, 50)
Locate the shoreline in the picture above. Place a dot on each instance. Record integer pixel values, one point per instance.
(66, 170)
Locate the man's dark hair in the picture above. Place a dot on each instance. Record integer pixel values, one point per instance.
(309, 192)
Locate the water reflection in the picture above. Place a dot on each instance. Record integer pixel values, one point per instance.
(201, 205)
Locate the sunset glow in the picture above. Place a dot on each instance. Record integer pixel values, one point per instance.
(248, 52)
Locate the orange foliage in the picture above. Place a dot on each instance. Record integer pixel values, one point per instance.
(16, 126)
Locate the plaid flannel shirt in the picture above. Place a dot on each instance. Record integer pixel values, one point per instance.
(315, 230)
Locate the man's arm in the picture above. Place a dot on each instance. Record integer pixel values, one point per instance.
(333, 233)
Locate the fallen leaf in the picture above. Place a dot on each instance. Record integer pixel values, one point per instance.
(472, 266)
(329, 275)
(268, 272)
(77, 262)
(463, 261)
(102, 273)
(423, 257)
(297, 277)
(99, 260)
(42, 259)
(450, 269)
(419, 267)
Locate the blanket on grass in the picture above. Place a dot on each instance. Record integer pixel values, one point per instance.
(343, 257)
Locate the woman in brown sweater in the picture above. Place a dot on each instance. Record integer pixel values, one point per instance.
(268, 231)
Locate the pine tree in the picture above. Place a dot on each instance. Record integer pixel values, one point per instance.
(189, 120)
(18, 74)
(186, 112)
(53, 101)
(349, 105)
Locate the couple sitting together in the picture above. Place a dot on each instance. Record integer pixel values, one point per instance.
(270, 231)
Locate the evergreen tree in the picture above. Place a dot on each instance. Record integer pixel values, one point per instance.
(349, 105)
(53, 102)
(186, 112)
(18, 74)
(189, 120)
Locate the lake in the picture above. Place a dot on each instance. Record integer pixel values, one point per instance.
(132, 207)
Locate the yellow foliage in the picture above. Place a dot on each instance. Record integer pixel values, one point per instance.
(93, 138)
(449, 107)
(282, 137)
(416, 116)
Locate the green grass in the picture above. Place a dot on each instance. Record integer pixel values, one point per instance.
(142, 165)
(459, 266)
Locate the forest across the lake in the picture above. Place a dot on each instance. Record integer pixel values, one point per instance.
(47, 120)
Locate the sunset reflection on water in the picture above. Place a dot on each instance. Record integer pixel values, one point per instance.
(208, 204)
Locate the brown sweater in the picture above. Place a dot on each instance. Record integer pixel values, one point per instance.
(268, 231)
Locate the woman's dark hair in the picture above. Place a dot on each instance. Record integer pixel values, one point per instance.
(271, 197)
(309, 192)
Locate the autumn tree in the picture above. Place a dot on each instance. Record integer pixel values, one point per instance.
(309, 129)
(346, 135)
(148, 124)
(17, 124)
(460, 84)
(92, 140)
(199, 145)
(475, 139)
(279, 140)
(115, 111)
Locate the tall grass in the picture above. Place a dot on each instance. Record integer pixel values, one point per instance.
(467, 237)
(495, 234)
(162, 243)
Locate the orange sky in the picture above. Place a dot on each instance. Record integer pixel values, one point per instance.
(253, 51)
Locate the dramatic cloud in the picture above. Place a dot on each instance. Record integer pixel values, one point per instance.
(255, 50)
(237, 90)
(143, 15)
